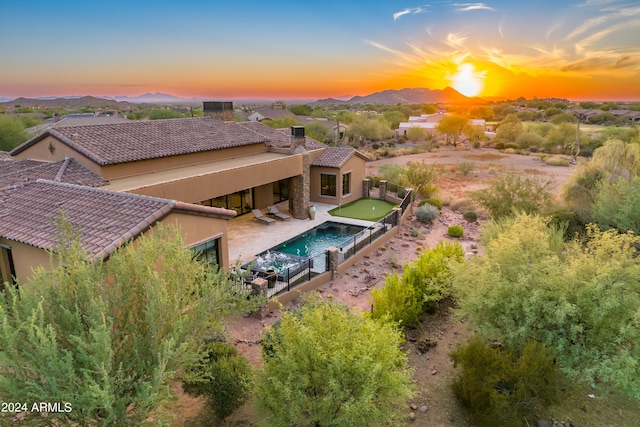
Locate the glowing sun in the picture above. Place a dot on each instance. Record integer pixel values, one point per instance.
(467, 80)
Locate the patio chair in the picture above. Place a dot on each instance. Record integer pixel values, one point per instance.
(260, 217)
(275, 212)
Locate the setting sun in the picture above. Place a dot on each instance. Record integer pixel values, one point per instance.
(467, 80)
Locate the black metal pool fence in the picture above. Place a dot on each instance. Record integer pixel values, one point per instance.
(287, 278)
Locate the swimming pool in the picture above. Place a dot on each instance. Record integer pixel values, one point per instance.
(310, 244)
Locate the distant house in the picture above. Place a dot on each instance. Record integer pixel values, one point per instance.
(429, 122)
(269, 113)
(197, 173)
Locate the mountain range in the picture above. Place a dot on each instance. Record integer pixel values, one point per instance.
(391, 96)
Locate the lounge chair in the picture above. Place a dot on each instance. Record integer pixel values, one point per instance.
(260, 217)
(275, 212)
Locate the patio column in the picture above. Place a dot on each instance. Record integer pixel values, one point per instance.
(333, 262)
(366, 188)
(299, 190)
(383, 190)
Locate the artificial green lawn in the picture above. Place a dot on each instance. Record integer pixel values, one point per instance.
(367, 209)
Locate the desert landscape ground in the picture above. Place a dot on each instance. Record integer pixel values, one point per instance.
(434, 404)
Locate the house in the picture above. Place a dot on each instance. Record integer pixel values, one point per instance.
(269, 113)
(196, 173)
(429, 122)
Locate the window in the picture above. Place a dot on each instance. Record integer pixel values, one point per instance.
(327, 185)
(7, 270)
(208, 251)
(346, 183)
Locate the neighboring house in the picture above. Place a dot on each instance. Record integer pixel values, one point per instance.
(269, 113)
(203, 167)
(429, 123)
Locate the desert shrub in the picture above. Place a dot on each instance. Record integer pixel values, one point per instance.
(557, 161)
(500, 388)
(455, 231)
(512, 192)
(462, 204)
(427, 213)
(511, 145)
(566, 219)
(330, 366)
(529, 139)
(534, 149)
(470, 216)
(586, 152)
(401, 192)
(617, 205)
(396, 301)
(432, 201)
(222, 376)
(580, 298)
(499, 146)
(466, 167)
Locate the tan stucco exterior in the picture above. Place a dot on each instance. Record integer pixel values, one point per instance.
(355, 166)
(58, 151)
(25, 259)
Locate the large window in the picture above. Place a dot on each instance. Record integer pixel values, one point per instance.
(328, 185)
(281, 190)
(346, 184)
(208, 251)
(7, 270)
(241, 202)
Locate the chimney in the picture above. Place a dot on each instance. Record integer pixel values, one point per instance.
(219, 110)
(297, 139)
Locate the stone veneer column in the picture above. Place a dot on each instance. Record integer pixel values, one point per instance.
(259, 287)
(366, 188)
(299, 190)
(333, 261)
(383, 190)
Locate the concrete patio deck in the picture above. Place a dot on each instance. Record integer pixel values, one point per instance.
(249, 237)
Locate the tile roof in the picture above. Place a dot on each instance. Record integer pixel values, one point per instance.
(105, 219)
(280, 138)
(68, 170)
(141, 140)
(4, 156)
(336, 157)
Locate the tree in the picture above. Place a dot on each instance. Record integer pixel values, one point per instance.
(512, 192)
(107, 338)
(301, 109)
(371, 128)
(328, 366)
(222, 376)
(416, 133)
(617, 205)
(482, 112)
(509, 129)
(164, 113)
(562, 137)
(453, 127)
(581, 299)
(421, 177)
(394, 118)
(428, 109)
(282, 122)
(12, 133)
(318, 131)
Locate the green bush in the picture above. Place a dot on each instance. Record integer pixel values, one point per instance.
(432, 201)
(222, 375)
(466, 167)
(427, 213)
(511, 145)
(556, 161)
(396, 300)
(500, 388)
(455, 231)
(470, 216)
(499, 146)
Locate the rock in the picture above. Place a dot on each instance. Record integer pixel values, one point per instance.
(542, 423)
(423, 409)
(411, 416)
(424, 344)
(413, 406)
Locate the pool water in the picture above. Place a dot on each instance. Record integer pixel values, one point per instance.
(318, 239)
(306, 245)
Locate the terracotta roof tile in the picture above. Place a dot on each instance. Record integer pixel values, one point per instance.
(140, 140)
(105, 219)
(280, 138)
(336, 157)
(4, 156)
(68, 170)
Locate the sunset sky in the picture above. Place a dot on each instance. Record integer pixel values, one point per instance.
(583, 49)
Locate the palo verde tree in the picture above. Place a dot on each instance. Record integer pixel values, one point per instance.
(328, 366)
(108, 338)
(453, 127)
(421, 177)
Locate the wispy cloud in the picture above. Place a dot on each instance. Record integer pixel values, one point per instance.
(409, 11)
(466, 7)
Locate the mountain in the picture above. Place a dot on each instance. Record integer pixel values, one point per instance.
(411, 96)
(155, 98)
(71, 103)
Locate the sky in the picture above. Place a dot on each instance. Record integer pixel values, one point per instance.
(579, 50)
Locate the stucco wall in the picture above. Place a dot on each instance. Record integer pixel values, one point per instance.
(40, 151)
(355, 165)
(25, 259)
(203, 187)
